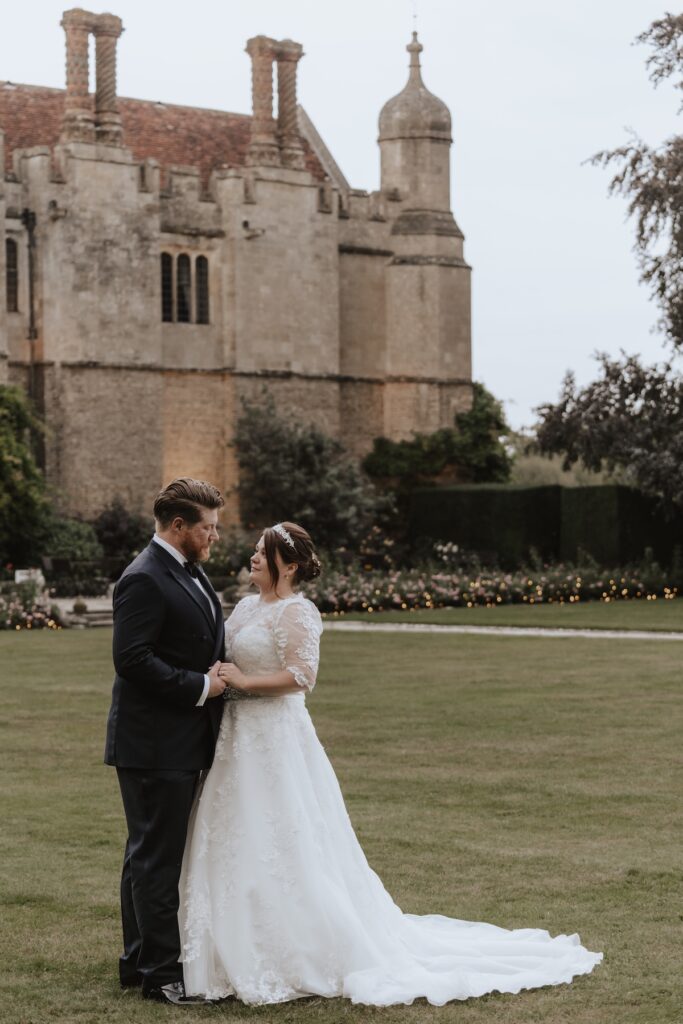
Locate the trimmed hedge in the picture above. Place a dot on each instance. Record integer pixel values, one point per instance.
(503, 524)
(500, 524)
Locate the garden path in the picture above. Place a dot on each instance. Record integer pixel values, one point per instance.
(423, 627)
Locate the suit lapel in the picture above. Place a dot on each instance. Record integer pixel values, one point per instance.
(183, 578)
(215, 600)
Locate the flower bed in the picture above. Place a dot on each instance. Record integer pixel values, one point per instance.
(374, 591)
(23, 607)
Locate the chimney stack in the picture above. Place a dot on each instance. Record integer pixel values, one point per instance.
(288, 56)
(107, 29)
(78, 124)
(263, 147)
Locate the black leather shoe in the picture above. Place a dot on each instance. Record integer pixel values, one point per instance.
(135, 981)
(174, 994)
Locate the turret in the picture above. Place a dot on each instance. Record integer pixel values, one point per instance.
(415, 140)
(427, 280)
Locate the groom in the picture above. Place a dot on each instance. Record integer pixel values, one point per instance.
(163, 722)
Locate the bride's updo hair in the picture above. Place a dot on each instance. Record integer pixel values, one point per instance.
(300, 551)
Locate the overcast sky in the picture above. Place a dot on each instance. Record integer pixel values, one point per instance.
(534, 88)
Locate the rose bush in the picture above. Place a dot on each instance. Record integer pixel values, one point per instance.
(375, 591)
(22, 606)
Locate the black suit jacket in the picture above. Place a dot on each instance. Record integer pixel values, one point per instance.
(165, 640)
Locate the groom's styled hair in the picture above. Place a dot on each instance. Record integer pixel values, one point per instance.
(186, 498)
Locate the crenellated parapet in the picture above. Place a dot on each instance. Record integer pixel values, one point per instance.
(187, 207)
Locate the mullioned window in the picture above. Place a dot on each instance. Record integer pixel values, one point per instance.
(11, 275)
(183, 279)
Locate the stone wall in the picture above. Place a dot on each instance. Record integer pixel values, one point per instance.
(198, 423)
(361, 413)
(105, 437)
(363, 311)
(287, 281)
(99, 285)
(309, 400)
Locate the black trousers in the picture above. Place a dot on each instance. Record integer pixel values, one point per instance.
(157, 806)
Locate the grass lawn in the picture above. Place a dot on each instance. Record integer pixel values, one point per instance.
(660, 615)
(523, 781)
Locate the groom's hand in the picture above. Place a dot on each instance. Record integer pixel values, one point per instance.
(216, 684)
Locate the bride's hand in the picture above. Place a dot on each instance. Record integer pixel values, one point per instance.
(232, 676)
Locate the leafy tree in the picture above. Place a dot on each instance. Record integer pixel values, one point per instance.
(23, 505)
(652, 179)
(475, 446)
(481, 451)
(294, 471)
(630, 418)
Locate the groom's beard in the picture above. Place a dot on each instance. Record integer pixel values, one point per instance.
(196, 551)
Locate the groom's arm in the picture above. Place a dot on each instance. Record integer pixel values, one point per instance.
(138, 621)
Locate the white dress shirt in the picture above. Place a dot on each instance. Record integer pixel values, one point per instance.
(180, 558)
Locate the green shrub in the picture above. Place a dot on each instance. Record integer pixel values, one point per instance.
(71, 539)
(88, 585)
(474, 448)
(122, 534)
(423, 458)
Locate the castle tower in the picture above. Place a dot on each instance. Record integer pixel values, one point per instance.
(428, 280)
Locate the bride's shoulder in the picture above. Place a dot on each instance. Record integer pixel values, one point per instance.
(299, 607)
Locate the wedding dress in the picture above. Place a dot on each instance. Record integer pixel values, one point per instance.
(277, 898)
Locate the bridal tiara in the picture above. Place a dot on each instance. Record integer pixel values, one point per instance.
(285, 534)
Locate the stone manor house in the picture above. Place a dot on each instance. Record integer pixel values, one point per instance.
(163, 262)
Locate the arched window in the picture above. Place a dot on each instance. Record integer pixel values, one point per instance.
(11, 276)
(183, 289)
(166, 287)
(202, 287)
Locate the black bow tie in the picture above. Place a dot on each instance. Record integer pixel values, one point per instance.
(192, 568)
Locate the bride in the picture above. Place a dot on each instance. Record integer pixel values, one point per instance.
(277, 900)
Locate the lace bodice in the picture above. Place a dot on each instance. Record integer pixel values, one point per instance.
(262, 637)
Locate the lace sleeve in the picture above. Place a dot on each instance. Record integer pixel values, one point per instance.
(297, 637)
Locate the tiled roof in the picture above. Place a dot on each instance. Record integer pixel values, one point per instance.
(31, 115)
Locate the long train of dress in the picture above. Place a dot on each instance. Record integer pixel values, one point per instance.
(277, 898)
